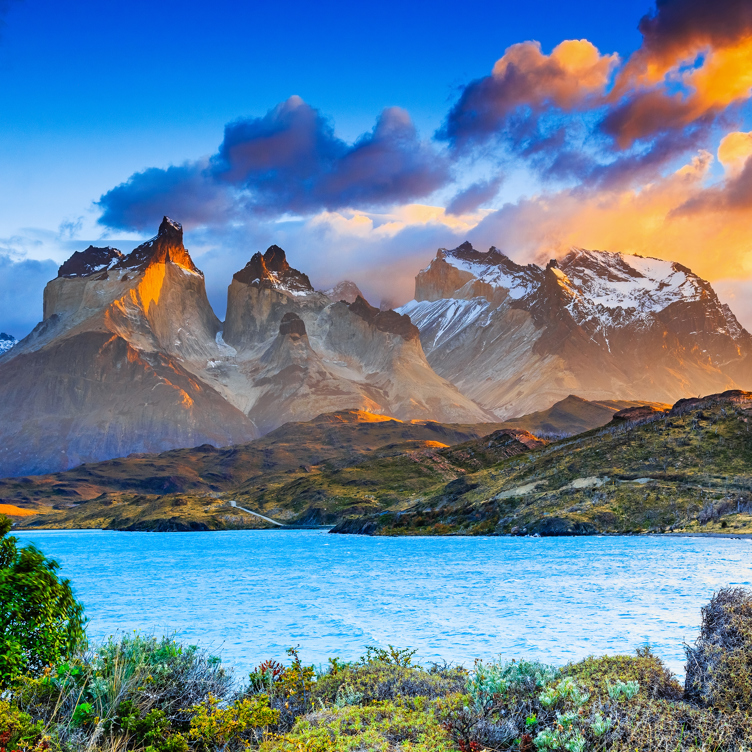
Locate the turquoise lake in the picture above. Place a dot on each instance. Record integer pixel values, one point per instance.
(248, 595)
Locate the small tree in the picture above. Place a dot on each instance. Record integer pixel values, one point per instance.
(40, 620)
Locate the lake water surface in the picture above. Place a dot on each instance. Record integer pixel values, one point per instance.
(248, 595)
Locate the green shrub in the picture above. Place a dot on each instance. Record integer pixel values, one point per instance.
(40, 620)
(410, 724)
(138, 690)
(378, 682)
(654, 678)
(18, 729)
(216, 727)
(489, 680)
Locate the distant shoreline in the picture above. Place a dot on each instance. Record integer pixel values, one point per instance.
(325, 527)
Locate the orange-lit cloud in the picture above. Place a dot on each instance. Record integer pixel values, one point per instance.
(572, 74)
(713, 241)
(733, 151)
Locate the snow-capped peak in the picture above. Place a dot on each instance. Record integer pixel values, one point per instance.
(6, 342)
(639, 286)
(493, 268)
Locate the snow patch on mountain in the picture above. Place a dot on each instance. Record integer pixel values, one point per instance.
(6, 342)
(489, 270)
(623, 290)
(441, 320)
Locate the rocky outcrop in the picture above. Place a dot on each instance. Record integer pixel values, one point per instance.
(601, 325)
(91, 261)
(292, 324)
(346, 291)
(636, 414)
(385, 321)
(272, 270)
(166, 247)
(114, 367)
(261, 294)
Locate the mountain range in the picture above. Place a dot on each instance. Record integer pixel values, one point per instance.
(130, 357)
(597, 324)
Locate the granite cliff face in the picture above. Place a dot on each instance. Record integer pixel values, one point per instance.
(130, 357)
(597, 324)
(112, 367)
(296, 353)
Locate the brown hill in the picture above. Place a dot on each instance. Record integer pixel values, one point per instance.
(574, 415)
(89, 494)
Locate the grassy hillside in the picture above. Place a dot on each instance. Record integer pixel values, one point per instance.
(190, 488)
(688, 470)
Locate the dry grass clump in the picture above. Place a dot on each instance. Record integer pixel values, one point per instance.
(719, 665)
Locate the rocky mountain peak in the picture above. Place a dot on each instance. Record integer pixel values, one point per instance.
(465, 273)
(385, 321)
(172, 228)
(293, 325)
(276, 260)
(90, 261)
(346, 290)
(6, 342)
(166, 246)
(271, 270)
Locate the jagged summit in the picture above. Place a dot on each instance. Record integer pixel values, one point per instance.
(385, 321)
(90, 261)
(271, 270)
(168, 225)
(465, 273)
(601, 323)
(6, 342)
(346, 290)
(166, 246)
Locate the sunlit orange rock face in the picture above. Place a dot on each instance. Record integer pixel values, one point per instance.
(111, 369)
(130, 357)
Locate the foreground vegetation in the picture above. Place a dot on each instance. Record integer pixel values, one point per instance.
(143, 694)
(153, 695)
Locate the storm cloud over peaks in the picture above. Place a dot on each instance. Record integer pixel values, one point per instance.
(289, 160)
(680, 25)
(573, 76)
(694, 63)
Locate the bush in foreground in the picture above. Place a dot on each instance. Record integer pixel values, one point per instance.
(40, 620)
(719, 665)
(143, 694)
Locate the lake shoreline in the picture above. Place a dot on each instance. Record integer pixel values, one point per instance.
(291, 528)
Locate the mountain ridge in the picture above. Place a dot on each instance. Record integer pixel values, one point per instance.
(137, 332)
(596, 323)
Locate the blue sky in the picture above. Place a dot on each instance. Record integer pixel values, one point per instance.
(95, 92)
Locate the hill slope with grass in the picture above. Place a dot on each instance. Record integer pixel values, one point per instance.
(688, 469)
(190, 489)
